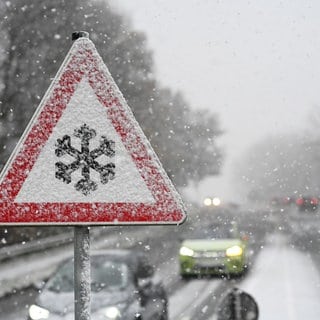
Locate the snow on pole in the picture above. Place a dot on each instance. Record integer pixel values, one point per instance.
(82, 277)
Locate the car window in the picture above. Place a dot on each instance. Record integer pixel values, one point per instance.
(113, 275)
(62, 281)
(104, 274)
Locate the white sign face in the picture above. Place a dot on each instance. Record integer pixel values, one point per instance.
(84, 159)
(41, 184)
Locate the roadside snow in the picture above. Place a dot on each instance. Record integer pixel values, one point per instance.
(284, 282)
(182, 304)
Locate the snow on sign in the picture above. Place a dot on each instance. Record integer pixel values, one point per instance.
(83, 158)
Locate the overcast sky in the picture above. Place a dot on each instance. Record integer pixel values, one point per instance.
(254, 63)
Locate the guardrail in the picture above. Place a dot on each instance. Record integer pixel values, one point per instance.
(28, 247)
(12, 251)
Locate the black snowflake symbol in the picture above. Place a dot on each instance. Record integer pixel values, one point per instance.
(85, 159)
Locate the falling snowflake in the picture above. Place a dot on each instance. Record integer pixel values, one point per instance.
(85, 159)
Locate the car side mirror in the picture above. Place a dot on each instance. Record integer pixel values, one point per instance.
(237, 305)
(145, 269)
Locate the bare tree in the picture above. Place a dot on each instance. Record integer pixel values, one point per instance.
(35, 39)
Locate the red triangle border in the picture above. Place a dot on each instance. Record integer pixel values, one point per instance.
(84, 61)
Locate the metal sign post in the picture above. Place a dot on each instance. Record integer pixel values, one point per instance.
(82, 277)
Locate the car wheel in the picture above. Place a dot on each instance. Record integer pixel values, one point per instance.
(185, 277)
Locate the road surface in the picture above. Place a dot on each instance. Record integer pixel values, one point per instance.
(283, 278)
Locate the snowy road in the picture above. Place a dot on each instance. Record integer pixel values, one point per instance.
(284, 280)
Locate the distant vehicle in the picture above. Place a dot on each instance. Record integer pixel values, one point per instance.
(282, 201)
(307, 203)
(216, 250)
(121, 288)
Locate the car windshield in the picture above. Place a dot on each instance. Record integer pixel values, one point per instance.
(104, 274)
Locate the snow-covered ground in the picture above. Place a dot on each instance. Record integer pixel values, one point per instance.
(184, 302)
(285, 283)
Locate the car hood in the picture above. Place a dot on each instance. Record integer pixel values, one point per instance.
(63, 303)
(212, 245)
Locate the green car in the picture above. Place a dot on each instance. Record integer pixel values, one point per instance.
(215, 250)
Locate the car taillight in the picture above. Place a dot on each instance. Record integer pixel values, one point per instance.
(299, 201)
(286, 200)
(314, 201)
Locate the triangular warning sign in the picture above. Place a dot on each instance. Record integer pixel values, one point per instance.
(83, 158)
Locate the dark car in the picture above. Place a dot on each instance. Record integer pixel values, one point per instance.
(122, 287)
(307, 203)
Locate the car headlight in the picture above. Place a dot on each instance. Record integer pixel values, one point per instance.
(234, 251)
(38, 313)
(185, 251)
(112, 313)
